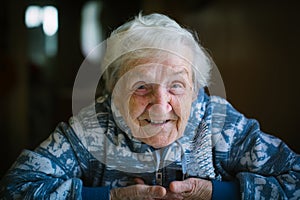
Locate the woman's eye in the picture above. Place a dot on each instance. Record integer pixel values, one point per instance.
(142, 87)
(177, 85)
(141, 90)
(177, 88)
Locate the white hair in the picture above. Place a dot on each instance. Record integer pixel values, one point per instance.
(148, 36)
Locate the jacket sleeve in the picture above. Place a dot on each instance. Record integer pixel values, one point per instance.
(264, 165)
(49, 172)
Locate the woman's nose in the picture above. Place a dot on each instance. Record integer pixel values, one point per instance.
(160, 100)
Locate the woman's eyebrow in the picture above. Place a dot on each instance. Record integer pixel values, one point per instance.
(183, 71)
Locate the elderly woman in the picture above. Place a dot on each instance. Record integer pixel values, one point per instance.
(156, 133)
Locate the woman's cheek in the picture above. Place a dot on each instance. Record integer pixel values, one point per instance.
(176, 104)
(137, 106)
(182, 108)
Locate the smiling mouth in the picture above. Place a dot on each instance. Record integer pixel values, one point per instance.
(157, 122)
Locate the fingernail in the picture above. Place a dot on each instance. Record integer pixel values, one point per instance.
(160, 192)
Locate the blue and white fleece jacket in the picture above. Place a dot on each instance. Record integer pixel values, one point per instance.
(91, 154)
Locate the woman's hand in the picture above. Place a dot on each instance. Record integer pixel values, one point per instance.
(138, 192)
(190, 189)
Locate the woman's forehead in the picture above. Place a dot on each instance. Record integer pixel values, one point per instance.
(157, 68)
(164, 59)
(155, 73)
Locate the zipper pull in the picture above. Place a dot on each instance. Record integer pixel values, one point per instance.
(159, 177)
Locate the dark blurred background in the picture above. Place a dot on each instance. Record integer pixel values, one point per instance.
(254, 43)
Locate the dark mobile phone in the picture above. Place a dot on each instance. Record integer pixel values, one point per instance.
(165, 177)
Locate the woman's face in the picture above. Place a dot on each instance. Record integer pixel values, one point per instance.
(155, 99)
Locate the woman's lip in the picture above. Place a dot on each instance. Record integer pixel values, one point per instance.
(146, 122)
(157, 121)
(166, 118)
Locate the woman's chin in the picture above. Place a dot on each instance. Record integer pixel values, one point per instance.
(159, 141)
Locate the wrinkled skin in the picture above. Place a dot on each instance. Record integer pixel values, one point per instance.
(189, 189)
(155, 99)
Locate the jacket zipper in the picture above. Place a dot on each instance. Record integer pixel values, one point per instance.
(158, 171)
(159, 158)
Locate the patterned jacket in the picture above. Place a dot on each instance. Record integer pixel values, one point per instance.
(219, 143)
